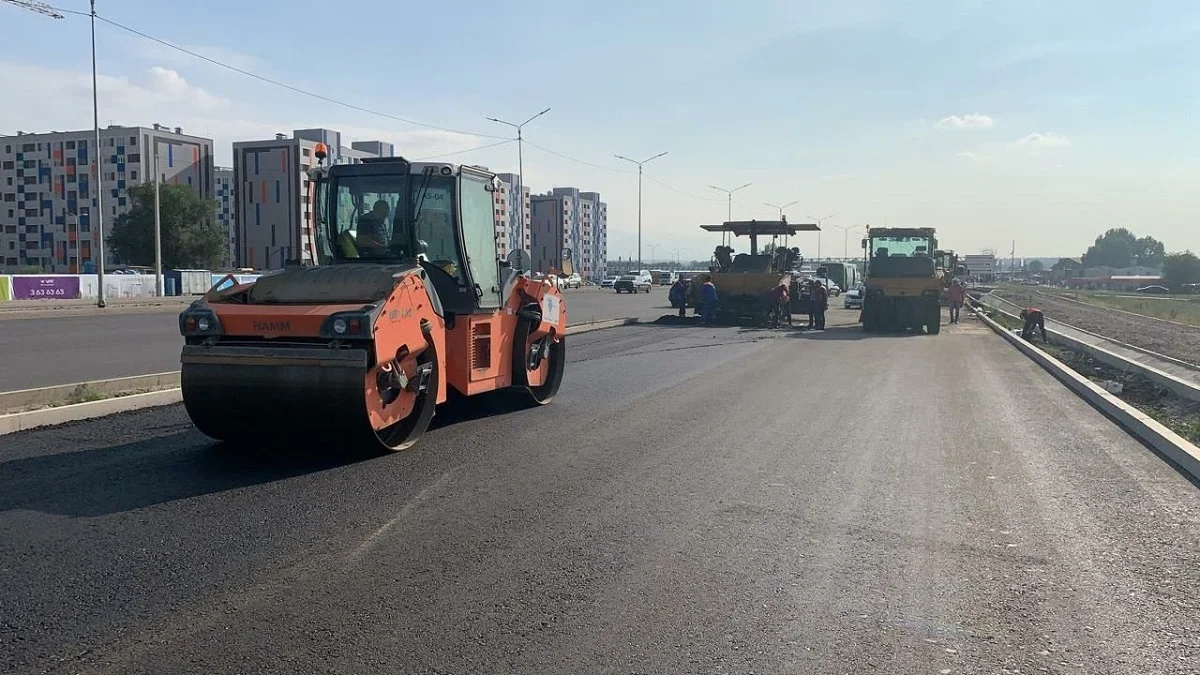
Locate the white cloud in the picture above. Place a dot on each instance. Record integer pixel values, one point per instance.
(971, 121)
(1039, 141)
(974, 156)
(171, 84)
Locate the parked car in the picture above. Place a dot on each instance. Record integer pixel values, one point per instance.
(608, 281)
(1154, 289)
(853, 298)
(573, 281)
(634, 282)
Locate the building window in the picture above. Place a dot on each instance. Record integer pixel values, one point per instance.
(133, 140)
(133, 175)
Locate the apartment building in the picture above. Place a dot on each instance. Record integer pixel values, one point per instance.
(223, 192)
(512, 214)
(49, 188)
(272, 213)
(586, 237)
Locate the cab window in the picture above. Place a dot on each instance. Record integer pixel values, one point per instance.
(479, 233)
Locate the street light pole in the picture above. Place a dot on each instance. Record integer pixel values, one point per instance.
(520, 167)
(820, 224)
(99, 169)
(729, 213)
(158, 280)
(781, 208)
(639, 166)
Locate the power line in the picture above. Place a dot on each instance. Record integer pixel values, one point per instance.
(577, 161)
(462, 152)
(277, 83)
(685, 194)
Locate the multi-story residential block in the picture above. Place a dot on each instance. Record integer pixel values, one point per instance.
(49, 187)
(223, 191)
(587, 238)
(512, 219)
(598, 242)
(272, 211)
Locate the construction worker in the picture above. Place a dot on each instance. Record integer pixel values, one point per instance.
(708, 300)
(1033, 319)
(958, 295)
(778, 299)
(820, 300)
(678, 296)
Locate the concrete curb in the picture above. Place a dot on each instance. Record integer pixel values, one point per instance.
(1139, 424)
(600, 325)
(81, 411)
(10, 400)
(1179, 387)
(21, 421)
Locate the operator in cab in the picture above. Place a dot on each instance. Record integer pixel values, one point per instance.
(1033, 319)
(368, 240)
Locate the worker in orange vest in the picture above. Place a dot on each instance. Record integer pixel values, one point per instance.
(1033, 319)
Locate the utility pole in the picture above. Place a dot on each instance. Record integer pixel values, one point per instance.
(781, 208)
(48, 10)
(820, 225)
(158, 280)
(520, 168)
(729, 214)
(99, 187)
(639, 166)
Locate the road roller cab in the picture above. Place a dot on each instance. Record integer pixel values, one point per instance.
(407, 302)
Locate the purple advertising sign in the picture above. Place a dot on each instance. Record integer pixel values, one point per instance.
(44, 288)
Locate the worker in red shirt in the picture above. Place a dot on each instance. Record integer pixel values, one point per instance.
(820, 300)
(958, 295)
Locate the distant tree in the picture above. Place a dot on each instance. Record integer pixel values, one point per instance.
(1119, 247)
(191, 235)
(1115, 248)
(1180, 269)
(1036, 266)
(1149, 252)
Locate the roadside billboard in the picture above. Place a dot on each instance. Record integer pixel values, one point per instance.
(5, 289)
(44, 287)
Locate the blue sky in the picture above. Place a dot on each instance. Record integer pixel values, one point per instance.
(1039, 122)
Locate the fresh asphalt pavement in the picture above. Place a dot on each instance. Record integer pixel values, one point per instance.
(695, 500)
(41, 351)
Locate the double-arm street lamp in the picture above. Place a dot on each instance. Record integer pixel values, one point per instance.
(639, 166)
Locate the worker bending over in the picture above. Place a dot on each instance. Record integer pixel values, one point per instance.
(1033, 319)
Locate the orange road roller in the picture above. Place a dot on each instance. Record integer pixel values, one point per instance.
(398, 298)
